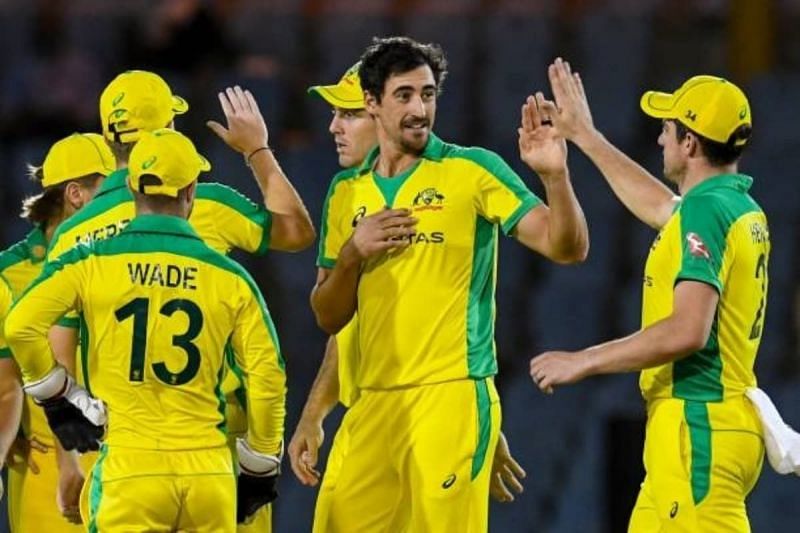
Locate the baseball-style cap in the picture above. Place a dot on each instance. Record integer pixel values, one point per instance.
(137, 101)
(168, 155)
(76, 156)
(713, 107)
(346, 94)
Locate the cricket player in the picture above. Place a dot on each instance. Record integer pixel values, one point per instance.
(44, 481)
(704, 298)
(353, 130)
(159, 306)
(138, 101)
(409, 238)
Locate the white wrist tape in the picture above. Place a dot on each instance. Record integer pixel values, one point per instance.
(254, 463)
(51, 386)
(59, 384)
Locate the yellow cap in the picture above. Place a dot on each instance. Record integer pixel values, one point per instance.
(137, 101)
(168, 155)
(713, 107)
(346, 94)
(76, 156)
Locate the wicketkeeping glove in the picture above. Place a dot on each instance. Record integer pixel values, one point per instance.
(77, 419)
(256, 484)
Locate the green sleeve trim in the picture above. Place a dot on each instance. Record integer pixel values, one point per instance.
(266, 235)
(338, 178)
(233, 199)
(325, 262)
(525, 207)
(13, 255)
(69, 322)
(5, 353)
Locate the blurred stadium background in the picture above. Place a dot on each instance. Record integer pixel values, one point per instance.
(582, 447)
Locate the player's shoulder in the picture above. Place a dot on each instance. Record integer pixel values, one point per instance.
(222, 194)
(482, 158)
(14, 254)
(344, 179)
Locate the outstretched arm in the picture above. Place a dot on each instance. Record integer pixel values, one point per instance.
(292, 229)
(643, 194)
(557, 230)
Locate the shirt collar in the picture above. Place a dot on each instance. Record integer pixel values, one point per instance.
(115, 180)
(434, 151)
(163, 224)
(740, 182)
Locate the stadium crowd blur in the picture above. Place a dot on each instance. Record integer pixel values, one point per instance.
(581, 447)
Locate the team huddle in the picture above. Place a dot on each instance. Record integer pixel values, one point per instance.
(141, 345)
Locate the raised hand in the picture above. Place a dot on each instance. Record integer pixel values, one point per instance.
(246, 130)
(540, 146)
(570, 112)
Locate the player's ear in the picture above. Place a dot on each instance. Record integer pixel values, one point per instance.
(73, 195)
(371, 103)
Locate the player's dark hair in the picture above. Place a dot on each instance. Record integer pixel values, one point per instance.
(40, 208)
(121, 151)
(395, 55)
(718, 154)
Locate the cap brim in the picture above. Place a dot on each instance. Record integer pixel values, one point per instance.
(205, 164)
(658, 105)
(339, 96)
(179, 105)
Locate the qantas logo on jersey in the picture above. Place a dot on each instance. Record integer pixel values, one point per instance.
(434, 237)
(696, 246)
(428, 200)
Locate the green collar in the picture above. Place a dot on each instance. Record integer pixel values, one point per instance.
(36, 245)
(163, 224)
(740, 182)
(115, 180)
(434, 151)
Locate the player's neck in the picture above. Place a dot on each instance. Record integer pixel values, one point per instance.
(703, 171)
(392, 160)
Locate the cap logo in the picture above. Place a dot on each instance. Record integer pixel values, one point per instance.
(117, 99)
(743, 113)
(690, 115)
(118, 114)
(149, 163)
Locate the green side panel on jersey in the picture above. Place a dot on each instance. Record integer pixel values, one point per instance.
(481, 360)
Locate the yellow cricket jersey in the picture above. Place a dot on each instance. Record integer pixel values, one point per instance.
(20, 264)
(159, 307)
(222, 217)
(717, 235)
(426, 314)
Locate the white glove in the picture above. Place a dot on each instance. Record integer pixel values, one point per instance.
(254, 463)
